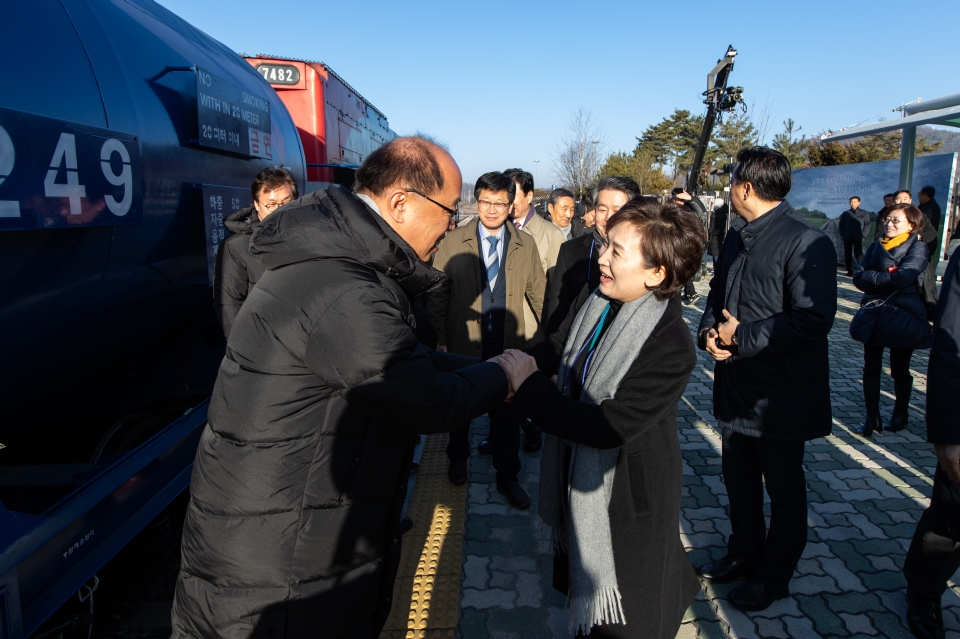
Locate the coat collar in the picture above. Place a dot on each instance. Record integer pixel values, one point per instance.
(752, 232)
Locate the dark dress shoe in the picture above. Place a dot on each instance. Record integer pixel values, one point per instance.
(516, 496)
(532, 442)
(898, 421)
(924, 616)
(457, 472)
(725, 570)
(485, 448)
(756, 594)
(405, 525)
(870, 424)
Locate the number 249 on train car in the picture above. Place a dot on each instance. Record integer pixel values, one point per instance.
(59, 174)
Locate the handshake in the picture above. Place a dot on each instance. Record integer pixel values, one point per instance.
(518, 366)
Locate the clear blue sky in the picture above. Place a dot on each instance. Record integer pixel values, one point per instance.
(499, 80)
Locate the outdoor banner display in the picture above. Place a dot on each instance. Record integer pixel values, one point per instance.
(828, 189)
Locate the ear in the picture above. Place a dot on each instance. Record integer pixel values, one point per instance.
(656, 278)
(397, 205)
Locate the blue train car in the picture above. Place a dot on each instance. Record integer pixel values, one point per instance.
(126, 135)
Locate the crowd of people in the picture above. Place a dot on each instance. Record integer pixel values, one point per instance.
(359, 319)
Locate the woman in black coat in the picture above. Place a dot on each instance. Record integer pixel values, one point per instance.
(889, 271)
(622, 564)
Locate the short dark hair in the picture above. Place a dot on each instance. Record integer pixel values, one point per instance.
(524, 179)
(589, 199)
(768, 171)
(556, 194)
(272, 179)
(495, 181)
(854, 197)
(929, 191)
(409, 161)
(670, 236)
(889, 195)
(627, 186)
(896, 193)
(914, 215)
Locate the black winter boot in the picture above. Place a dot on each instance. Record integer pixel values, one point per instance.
(903, 388)
(871, 399)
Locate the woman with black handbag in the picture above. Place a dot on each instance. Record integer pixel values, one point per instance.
(892, 313)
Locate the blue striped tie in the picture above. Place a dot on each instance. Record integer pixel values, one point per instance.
(492, 263)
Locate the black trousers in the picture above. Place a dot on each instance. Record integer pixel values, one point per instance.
(899, 363)
(688, 288)
(505, 434)
(852, 247)
(934, 553)
(748, 464)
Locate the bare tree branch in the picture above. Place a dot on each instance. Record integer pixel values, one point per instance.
(762, 117)
(578, 156)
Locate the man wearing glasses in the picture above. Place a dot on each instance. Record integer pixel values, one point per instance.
(301, 471)
(493, 270)
(236, 271)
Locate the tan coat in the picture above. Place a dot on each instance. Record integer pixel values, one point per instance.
(548, 238)
(455, 310)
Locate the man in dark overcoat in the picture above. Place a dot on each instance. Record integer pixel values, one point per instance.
(301, 471)
(934, 554)
(853, 225)
(771, 305)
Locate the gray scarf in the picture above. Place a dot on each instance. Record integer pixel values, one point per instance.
(575, 517)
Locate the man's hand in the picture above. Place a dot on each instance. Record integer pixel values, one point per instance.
(511, 389)
(727, 329)
(948, 455)
(442, 348)
(711, 342)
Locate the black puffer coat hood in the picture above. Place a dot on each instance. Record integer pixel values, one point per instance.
(334, 224)
(242, 221)
(301, 470)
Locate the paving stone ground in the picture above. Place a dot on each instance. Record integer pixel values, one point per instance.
(865, 497)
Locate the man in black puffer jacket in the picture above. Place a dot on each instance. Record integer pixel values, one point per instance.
(301, 471)
(236, 271)
(773, 298)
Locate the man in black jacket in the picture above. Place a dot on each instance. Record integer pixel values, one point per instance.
(853, 225)
(771, 305)
(236, 271)
(929, 206)
(577, 262)
(934, 554)
(301, 471)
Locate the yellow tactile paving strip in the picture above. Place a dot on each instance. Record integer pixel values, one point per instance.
(426, 595)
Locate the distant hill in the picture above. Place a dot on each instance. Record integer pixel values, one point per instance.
(950, 138)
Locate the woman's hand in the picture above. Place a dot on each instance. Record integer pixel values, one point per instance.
(518, 366)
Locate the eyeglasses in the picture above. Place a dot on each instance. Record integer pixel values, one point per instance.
(451, 212)
(894, 221)
(273, 206)
(485, 205)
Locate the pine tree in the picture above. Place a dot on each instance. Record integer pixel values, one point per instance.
(794, 149)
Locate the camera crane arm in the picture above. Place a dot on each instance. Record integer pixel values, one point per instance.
(719, 99)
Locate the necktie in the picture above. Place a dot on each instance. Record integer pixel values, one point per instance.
(491, 261)
(518, 225)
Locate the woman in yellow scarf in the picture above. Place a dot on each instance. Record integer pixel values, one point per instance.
(890, 271)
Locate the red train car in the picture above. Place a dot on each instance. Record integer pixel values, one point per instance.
(337, 126)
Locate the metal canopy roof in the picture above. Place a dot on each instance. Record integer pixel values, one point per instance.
(944, 110)
(944, 117)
